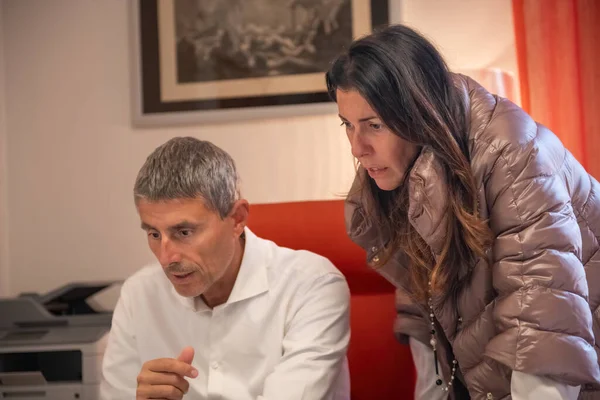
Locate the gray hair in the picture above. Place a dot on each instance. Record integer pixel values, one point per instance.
(188, 168)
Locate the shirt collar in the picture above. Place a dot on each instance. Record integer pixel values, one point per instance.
(252, 277)
(251, 280)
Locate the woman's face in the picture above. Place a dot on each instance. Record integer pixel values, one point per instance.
(384, 155)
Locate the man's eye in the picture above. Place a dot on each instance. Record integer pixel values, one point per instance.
(185, 232)
(154, 235)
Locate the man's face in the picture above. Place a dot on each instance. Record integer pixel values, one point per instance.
(192, 243)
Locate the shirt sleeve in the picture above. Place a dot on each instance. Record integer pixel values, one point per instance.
(313, 365)
(530, 387)
(121, 363)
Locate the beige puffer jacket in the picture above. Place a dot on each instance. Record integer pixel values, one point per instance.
(533, 305)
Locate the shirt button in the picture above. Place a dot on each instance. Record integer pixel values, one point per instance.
(490, 396)
(374, 249)
(215, 365)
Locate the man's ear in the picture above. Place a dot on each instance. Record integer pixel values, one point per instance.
(239, 214)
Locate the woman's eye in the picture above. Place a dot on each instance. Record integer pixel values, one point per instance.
(376, 126)
(345, 123)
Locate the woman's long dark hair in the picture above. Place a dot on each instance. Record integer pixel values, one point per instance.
(406, 81)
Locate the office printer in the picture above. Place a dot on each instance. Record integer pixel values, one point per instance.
(51, 345)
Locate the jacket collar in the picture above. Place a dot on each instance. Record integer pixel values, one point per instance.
(426, 212)
(428, 200)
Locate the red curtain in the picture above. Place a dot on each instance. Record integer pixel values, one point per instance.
(558, 51)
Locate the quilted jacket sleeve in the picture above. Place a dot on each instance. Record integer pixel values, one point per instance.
(542, 315)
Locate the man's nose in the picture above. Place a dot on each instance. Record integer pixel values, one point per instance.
(168, 253)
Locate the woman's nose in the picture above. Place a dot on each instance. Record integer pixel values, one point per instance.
(358, 146)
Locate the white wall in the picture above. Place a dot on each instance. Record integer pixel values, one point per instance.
(471, 34)
(4, 266)
(74, 155)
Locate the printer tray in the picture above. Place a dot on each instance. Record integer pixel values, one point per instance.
(63, 391)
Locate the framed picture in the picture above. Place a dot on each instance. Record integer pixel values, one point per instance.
(223, 60)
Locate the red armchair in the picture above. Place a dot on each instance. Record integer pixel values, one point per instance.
(380, 368)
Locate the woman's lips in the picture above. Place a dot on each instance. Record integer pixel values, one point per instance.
(376, 172)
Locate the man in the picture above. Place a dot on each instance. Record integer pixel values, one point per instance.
(226, 315)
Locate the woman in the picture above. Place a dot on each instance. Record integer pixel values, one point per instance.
(478, 215)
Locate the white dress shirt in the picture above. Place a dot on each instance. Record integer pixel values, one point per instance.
(282, 334)
(522, 386)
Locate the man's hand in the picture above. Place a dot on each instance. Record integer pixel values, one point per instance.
(163, 378)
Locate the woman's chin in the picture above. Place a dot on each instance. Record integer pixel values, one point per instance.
(387, 184)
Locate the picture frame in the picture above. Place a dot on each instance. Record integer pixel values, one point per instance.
(210, 61)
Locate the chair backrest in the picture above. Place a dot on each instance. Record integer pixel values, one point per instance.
(380, 367)
(318, 226)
